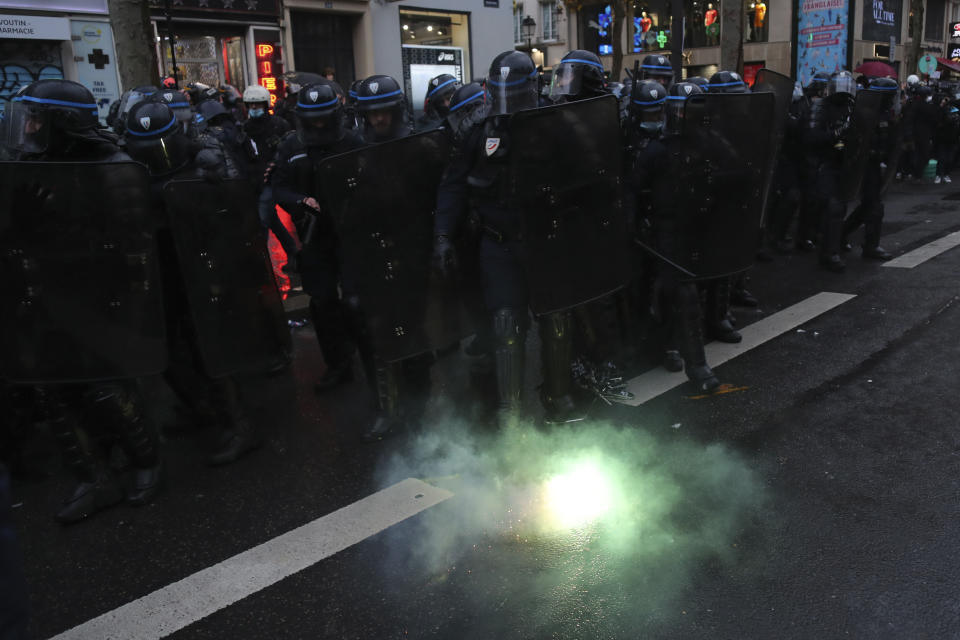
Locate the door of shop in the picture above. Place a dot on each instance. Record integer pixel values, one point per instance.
(322, 40)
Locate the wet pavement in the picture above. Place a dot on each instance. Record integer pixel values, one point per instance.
(819, 498)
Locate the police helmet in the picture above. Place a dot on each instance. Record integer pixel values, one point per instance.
(469, 105)
(890, 90)
(700, 81)
(647, 101)
(45, 111)
(579, 75)
(726, 82)
(440, 90)
(256, 93)
(512, 82)
(319, 114)
(842, 82)
(155, 137)
(379, 92)
(677, 98)
(657, 66)
(178, 102)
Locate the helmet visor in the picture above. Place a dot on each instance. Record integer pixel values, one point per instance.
(161, 155)
(510, 96)
(842, 84)
(469, 111)
(567, 80)
(27, 129)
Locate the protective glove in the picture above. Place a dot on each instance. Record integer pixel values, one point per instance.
(444, 256)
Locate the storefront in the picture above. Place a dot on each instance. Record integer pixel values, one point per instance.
(71, 39)
(233, 43)
(431, 37)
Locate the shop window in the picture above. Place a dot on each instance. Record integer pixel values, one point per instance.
(597, 23)
(433, 43)
(933, 19)
(548, 19)
(703, 24)
(756, 21)
(197, 60)
(651, 27)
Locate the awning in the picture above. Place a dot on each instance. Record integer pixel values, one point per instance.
(949, 64)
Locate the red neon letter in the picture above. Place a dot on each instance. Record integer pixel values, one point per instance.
(264, 50)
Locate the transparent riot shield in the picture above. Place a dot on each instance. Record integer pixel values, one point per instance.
(781, 87)
(382, 199)
(857, 142)
(566, 182)
(231, 292)
(719, 169)
(80, 296)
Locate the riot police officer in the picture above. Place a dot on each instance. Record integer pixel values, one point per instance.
(436, 104)
(883, 154)
(266, 130)
(828, 124)
(381, 104)
(656, 122)
(578, 75)
(478, 175)
(320, 133)
(57, 121)
(153, 138)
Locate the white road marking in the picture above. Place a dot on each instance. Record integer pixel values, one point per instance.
(921, 254)
(653, 383)
(182, 603)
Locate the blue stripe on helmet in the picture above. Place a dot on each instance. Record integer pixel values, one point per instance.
(677, 97)
(150, 134)
(479, 94)
(383, 95)
(656, 66)
(646, 104)
(451, 80)
(590, 62)
(317, 106)
(738, 83)
(514, 83)
(881, 88)
(59, 103)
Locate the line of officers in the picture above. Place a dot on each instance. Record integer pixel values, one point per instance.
(177, 137)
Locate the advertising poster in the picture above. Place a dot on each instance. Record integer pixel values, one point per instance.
(821, 37)
(96, 64)
(881, 20)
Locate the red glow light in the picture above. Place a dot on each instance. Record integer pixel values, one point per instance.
(264, 50)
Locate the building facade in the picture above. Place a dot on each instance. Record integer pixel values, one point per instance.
(70, 39)
(410, 41)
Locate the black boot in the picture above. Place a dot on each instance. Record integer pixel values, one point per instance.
(96, 489)
(556, 344)
(238, 435)
(388, 421)
(330, 324)
(120, 407)
(833, 263)
(718, 308)
(876, 253)
(509, 332)
(689, 338)
(672, 360)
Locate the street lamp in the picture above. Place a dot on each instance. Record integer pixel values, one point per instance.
(526, 28)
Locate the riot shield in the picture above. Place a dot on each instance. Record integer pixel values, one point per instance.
(382, 199)
(893, 153)
(231, 294)
(857, 142)
(781, 87)
(80, 298)
(565, 180)
(718, 168)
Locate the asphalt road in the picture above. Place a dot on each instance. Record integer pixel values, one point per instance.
(818, 498)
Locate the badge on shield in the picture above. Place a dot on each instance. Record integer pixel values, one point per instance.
(492, 145)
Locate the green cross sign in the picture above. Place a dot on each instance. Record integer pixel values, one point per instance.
(662, 39)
